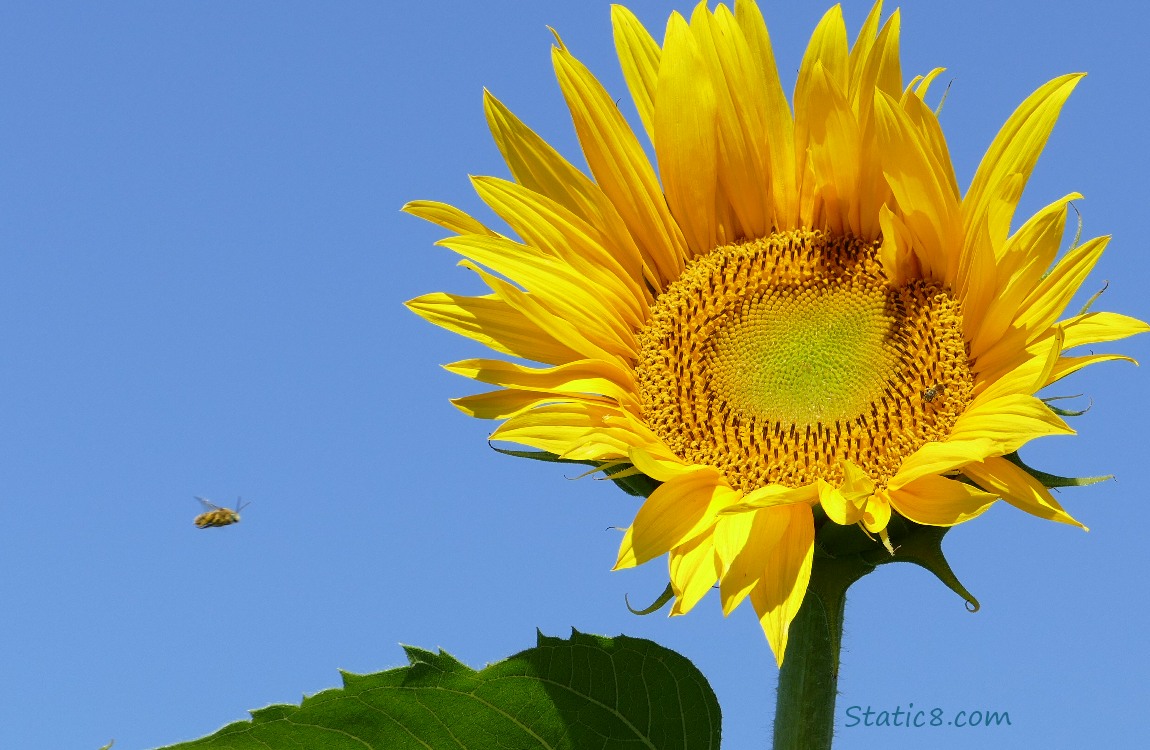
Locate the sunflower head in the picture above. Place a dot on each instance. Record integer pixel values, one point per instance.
(793, 319)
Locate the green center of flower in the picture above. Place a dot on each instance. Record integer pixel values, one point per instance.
(804, 355)
(773, 359)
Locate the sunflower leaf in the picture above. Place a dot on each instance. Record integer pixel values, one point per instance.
(1053, 480)
(587, 691)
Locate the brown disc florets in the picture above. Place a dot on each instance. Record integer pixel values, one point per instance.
(773, 359)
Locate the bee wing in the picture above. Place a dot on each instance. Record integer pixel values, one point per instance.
(208, 504)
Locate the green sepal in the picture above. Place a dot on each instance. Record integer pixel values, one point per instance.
(1066, 412)
(638, 485)
(922, 545)
(912, 542)
(1053, 480)
(542, 456)
(667, 595)
(588, 691)
(1090, 302)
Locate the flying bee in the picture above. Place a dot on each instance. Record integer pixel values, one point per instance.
(214, 515)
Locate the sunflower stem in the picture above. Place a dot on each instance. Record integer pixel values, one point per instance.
(808, 680)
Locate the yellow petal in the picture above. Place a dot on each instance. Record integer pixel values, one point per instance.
(780, 592)
(675, 513)
(583, 377)
(540, 168)
(896, 253)
(936, 458)
(1030, 372)
(929, 130)
(846, 504)
(494, 323)
(925, 205)
(1015, 150)
(639, 57)
(743, 546)
(448, 217)
(1009, 422)
(535, 310)
(836, 506)
(593, 432)
(772, 495)
(828, 50)
(834, 152)
(534, 163)
(861, 51)
(880, 71)
(621, 168)
(744, 208)
(1097, 327)
(694, 569)
(1017, 487)
(1067, 365)
(938, 501)
(1049, 299)
(1025, 257)
(882, 63)
(548, 226)
(686, 140)
(558, 285)
(977, 283)
(578, 430)
(876, 514)
(660, 465)
(778, 123)
(505, 403)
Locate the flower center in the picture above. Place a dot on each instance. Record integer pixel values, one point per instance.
(773, 359)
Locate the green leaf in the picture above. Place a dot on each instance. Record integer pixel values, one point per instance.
(585, 692)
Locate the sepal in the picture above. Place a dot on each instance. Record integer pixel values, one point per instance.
(915, 543)
(622, 474)
(665, 597)
(1051, 481)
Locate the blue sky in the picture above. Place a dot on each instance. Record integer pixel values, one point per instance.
(201, 282)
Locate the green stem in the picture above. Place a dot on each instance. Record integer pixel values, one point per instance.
(808, 680)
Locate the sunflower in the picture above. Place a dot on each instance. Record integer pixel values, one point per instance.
(792, 318)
